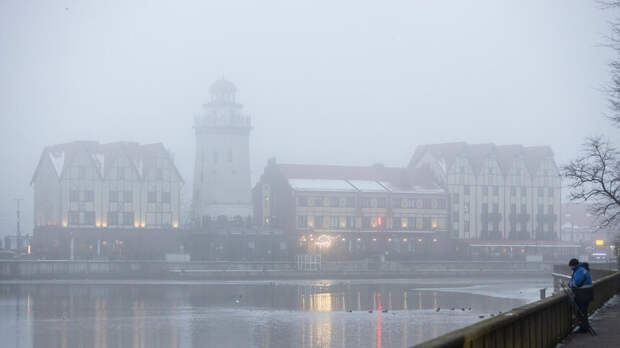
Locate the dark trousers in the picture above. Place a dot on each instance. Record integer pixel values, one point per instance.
(582, 314)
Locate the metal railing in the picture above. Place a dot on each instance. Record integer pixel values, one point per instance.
(539, 324)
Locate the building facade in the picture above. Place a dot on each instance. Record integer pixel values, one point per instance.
(354, 210)
(497, 192)
(85, 187)
(222, 185)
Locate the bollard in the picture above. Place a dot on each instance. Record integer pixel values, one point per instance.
(542, 293)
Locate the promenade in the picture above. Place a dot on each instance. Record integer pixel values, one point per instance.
(606, 323)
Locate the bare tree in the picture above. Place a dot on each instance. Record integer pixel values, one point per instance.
(595, 177)
(613, 89)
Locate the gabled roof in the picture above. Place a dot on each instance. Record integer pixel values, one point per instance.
(141, 157)
(476, 154)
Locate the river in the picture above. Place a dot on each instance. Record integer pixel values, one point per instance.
(326, 313)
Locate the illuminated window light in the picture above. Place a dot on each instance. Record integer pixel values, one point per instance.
(324, 241)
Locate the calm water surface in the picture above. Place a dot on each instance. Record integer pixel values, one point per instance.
(249, 314)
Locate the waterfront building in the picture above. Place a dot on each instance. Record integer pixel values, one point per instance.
(102, 193)
(222, 187)
(508, 192)
(355, 210)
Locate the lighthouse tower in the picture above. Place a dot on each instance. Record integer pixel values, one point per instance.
(222, 167)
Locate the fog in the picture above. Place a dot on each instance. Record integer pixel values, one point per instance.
(333, 82)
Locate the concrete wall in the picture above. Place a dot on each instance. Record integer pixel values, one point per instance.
(539, 324)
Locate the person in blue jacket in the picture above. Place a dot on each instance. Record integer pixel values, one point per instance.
(581, 285)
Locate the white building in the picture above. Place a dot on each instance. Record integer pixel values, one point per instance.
(222, 167)
(85, 185)
(497, 192)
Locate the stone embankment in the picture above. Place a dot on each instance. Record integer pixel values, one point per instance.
(224, 270)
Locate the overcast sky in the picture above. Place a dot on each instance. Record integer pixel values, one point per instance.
(326, 81)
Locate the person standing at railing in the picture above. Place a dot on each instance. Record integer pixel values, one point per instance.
(581, 286)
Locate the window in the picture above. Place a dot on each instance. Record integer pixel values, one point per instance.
(229, 155)
(541, 209)
(365, 202)
(495, 190)
(128, 197)
(159, 173)
(495, 208)
(366, 221)
(485, 190)
(334, 201)
(396, 223)
(318, 221)
(523, 208)
(466, 226)
(302, 201)
(120, 173)
(350, 202)
(380, 221)
(81, 172)
(456, 198)
(74, 218)
(550, 191)
(426, 203)
(333, 221)
(74, 196)
(485, 208)
(541, 192)
(89, 196)
(441, 203)
(151, 197)
(112, 219)
(381, 202)
(513, 191)
(513, 209)
(523, 191)
(89, 218)
(351, 221)
(165, 197)
(128, 218)
(466, 190)
(426, 223)
(113, 196)
(302, 221)
(215, 157)
(318, 201)
(411, 223)
(550, 210)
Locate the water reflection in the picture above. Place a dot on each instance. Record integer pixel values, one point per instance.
(266, 314)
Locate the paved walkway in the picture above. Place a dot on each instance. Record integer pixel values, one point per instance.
(606, 322)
